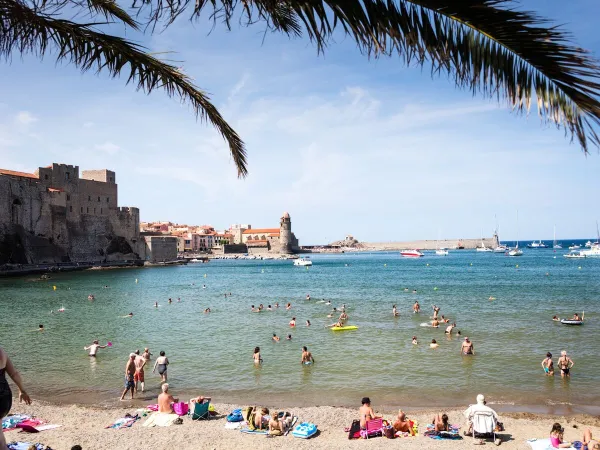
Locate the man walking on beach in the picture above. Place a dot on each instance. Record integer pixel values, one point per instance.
(129, 376)
(307, 357)
(138, 377)
(565, 364)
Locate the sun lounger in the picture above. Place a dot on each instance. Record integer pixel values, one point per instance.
(373, 428)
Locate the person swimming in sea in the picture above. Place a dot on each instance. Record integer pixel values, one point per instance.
(435, 323)
(307, 296)
(90, 297)
(444, 320)
(395, 312)
(436, 310)
(277, 305)
(41, 327)
(203, 286)
(289, 337)
(292, 322)
(207, 310)
(328, 302)
(269, 308)
(416, 307)
(288, 306)
(256, 356)
(434, 344)
(467, 347)
(170, 301)
(307, 357)
(275, 338)
(308, 323)
(156, 304)
(449, 329)
(556, 319)
(415, 341)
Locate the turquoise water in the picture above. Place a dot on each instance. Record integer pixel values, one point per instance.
(212, 353)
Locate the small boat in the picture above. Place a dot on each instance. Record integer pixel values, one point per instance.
(538, 244)
(515, 252)
(195, 260)
(574, 255)
(345, 328)
(484, 249)
(441, 252)
(588, 244)
(411, 253)
(554, 243)
(304, 430)
(501, 249)
(574, 247)
(305, 261)
(571, 322)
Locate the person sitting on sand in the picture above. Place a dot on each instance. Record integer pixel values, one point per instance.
(440, 423)
(401, 424)
(480, 406)
(414, 340)
(556, 437)
(366, 412)
(548, 365)
(434, 344)
(165, 400)
(260, 420)
(467, 347)
(257, 358)
(588, 442)
(449, 329)
(276, 427)
(307, 357)
(395, 312)
(129, 376)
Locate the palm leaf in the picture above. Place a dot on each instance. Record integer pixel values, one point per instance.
(25, 30)
(484, 45)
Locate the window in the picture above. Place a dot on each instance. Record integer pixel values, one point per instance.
(87, 210)
(82, 209)
(68, 197)
(98, 198)
(89, 198)
(67, 176)
(70, 208)
(46, 177)
(107, 199)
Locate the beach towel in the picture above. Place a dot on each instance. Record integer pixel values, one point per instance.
(124, 422)
(26, 446)
(233, 425)
(38, 428)
(541, 444)
(452, 434)
(162, 420)
(253, 431)
(10, 422)
(152, 407)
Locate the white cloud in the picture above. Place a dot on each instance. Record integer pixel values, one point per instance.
(25, 118)
(108, 147)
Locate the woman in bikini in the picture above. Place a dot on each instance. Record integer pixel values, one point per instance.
(548, 365)
(366, 412)
(257, 358)
(161, 363)
(565, 364)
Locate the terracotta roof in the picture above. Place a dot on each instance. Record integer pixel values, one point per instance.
(261, 231)
(273, 234)
(18, 174)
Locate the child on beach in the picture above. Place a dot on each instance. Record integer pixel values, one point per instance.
(276, 427)
(556, 437)
(441, 423)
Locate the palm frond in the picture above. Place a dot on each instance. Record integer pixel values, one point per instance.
(24, 30)
(485, 45)
(110, 9)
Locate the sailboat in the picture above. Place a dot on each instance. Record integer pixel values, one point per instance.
(501, 248)
(516, 251)
(483, 248)
(555, 244)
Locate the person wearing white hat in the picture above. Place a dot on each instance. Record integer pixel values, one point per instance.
(479, 407)
(129, 374)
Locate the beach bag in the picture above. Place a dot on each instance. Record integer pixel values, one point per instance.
(248, 414)
(235, 416)
(354, 432)
(389, 432)
(180, 408)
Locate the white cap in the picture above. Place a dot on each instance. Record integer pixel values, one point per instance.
(480, 398)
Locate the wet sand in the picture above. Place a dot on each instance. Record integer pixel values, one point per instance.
(85, 426)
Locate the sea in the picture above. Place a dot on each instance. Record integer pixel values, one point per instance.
(211, 353)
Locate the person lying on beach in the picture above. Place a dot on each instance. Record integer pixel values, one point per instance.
(440, 423)
(467, 347)
(395, 312)
(414, 340)
(588, 442)
(161, 363)
(401, 424)
(275, 337)
(129, 376)
(565, 364)
(165, 400)
(556, 437)
(256, 356)
(434, 344)
(449, 329)
(548, 365)
(366, 412)
(307, 357)
(260, 421)
(94, 348)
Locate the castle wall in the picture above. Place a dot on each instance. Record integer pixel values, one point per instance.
(160, 248)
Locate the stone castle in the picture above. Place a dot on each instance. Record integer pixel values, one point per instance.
(58, 214)
(272, 240)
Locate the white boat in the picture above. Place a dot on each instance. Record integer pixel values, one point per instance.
(501, 249)
(411, 253)
(574, 247)
(554, 243)
(441, 252)
(574, 255)
(588, 244)
(593, 252)
(538, 244)
(483, 248)
(305, 261)
(195, 260)
(516, 251)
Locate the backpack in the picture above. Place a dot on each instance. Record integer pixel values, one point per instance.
(354, 432)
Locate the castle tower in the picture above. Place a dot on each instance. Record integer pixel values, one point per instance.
(285, 233)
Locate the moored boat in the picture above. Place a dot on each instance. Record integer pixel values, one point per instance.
(411, 253)
(574, 255)
(304, 261)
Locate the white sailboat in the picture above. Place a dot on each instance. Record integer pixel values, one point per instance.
(501, 248)
(555, 244)
(516, 251)
(483, 248)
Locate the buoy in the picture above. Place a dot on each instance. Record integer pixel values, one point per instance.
(435, 288)
(204, 275)
(427, 264)
(54, 287)
(517, 266)
(136, 280)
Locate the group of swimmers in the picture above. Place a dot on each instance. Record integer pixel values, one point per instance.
(306, 358)
(565, 364)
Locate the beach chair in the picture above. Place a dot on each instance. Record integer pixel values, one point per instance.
(484, 426)
(201, 411)
(373, 428)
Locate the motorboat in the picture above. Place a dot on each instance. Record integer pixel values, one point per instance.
(501, 249)
(593, 252)
(411, 253)
(441, 252)
(304, 261)
(538, 244)
(588, 244)
(574, 247)
(574, 255)
(515, 252)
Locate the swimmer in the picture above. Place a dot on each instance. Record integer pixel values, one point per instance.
(405, 289)
(207, 310)
(269, 308)
(565, 364)
(106, 287)
(467, 347)
(288, 306)
(435, 323)
(336, 325)
(41, 327)
(170, 301)
(277, 305)
(449, 329)
(289, 337)
(252, 307)
(156, 304)
(308, 323)
(414, 291)
(416, 307)
(90, 297)
(292, 322)
(444, 320)
(203, 286)
(556, 318)
(307, 296)
(128, 316)
(261, 307)
(256, 356)
(307, 357)
(414, 340)
(434, 344)
(94, 348)
(344, 307)
(395, 312)
(548, 365)
(436, 310)
(275, 338)
(178, 299)
(328, 302)
(458, 333)
(491, 298)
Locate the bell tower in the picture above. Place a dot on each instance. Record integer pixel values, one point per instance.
(285, 233)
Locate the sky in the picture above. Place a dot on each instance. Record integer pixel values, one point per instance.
(345, 144)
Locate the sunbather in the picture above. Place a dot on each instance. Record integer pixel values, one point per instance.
(165, 399)
(440, 423)
(401, 423)
(260, 420)
(477, 408)
(556, 437)
(588, 442)
(366, 412)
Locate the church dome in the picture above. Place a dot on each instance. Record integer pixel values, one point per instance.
(286, 215)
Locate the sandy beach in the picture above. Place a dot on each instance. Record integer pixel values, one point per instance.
(85, 426)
